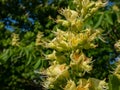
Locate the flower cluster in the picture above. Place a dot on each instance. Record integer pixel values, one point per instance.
(87, 7)
(15, 39)
(79, 62)
(84, 9)
(66, 40)
(68, 63)
(85, 84)
(56, 73)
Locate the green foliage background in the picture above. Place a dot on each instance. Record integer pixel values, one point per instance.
(26, 18)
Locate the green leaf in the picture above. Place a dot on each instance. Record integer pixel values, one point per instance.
(37, 64)
(108, 19)
(114, 83)
(22, 51)
(5, 55)
(118, 17)
(27, 52)
(29, 60)
(99, 21)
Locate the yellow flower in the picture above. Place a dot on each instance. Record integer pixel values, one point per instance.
(50, 45)
(93, 10)
(48, 82)
(38, 38)
(83, 84)
(86, 66)
(70, 85)
(64, 41)
(76, 57)
(69, 14)
(80, 62)
(79, 24)
(63, 22)
(15, 39)
(90, 4)
(56, 70)
(74, 41)
(117, 45)
(99, 4)
(85, 3)
(103, 85)
(83, 37)
(117, 70)
(115, 8)
(64, 45)
(51, 56)
(56, 73)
